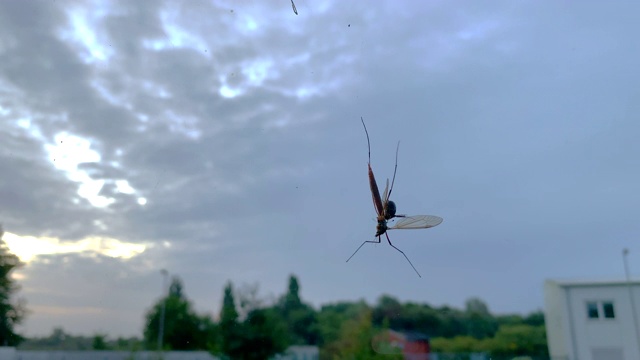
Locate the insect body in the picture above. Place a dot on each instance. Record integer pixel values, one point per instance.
(386, 209)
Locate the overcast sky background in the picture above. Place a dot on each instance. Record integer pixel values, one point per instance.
(222, 141)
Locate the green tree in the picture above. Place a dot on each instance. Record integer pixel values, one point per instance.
(476, 306)
(11, 313)
(458, 344)
(480, 322)
(510, 319)
(535, 318)
(264, 334)
(100, 342)
(58, 340)
(420, 318)
(183, 328)
(230, 343)
(300, 317)
(130, 344)
(332, 316)
(355, 341)
(453, 322)
(388, 308)
(292, 297)
(514, 340)
(423, 319)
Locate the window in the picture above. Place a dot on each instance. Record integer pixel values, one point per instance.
(592, 310)
(607, 309)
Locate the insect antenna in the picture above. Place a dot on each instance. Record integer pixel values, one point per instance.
(394, 172)
(368, 143)
(405, 256)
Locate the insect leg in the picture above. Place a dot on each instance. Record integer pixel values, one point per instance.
(405, 256)
(368, 241)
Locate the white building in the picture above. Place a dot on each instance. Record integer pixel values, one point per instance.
(592, 320)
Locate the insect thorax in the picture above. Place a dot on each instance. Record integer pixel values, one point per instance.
(381, 228)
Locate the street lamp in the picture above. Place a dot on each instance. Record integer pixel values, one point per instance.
(625, 252)
(165, 274)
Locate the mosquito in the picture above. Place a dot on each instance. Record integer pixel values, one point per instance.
(386, 209)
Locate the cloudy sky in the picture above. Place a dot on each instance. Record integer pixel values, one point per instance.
(222, 141)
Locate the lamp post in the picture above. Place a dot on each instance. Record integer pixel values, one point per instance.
(165, 274)
(625, 252)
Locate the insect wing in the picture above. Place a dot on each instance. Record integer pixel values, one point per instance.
(417, 222)
(385, 197)
(375, 193)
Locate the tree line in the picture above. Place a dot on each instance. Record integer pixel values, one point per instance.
(247, 327)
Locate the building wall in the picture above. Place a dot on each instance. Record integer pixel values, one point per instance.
(573, 335)
(603, 335)
(556, 321)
